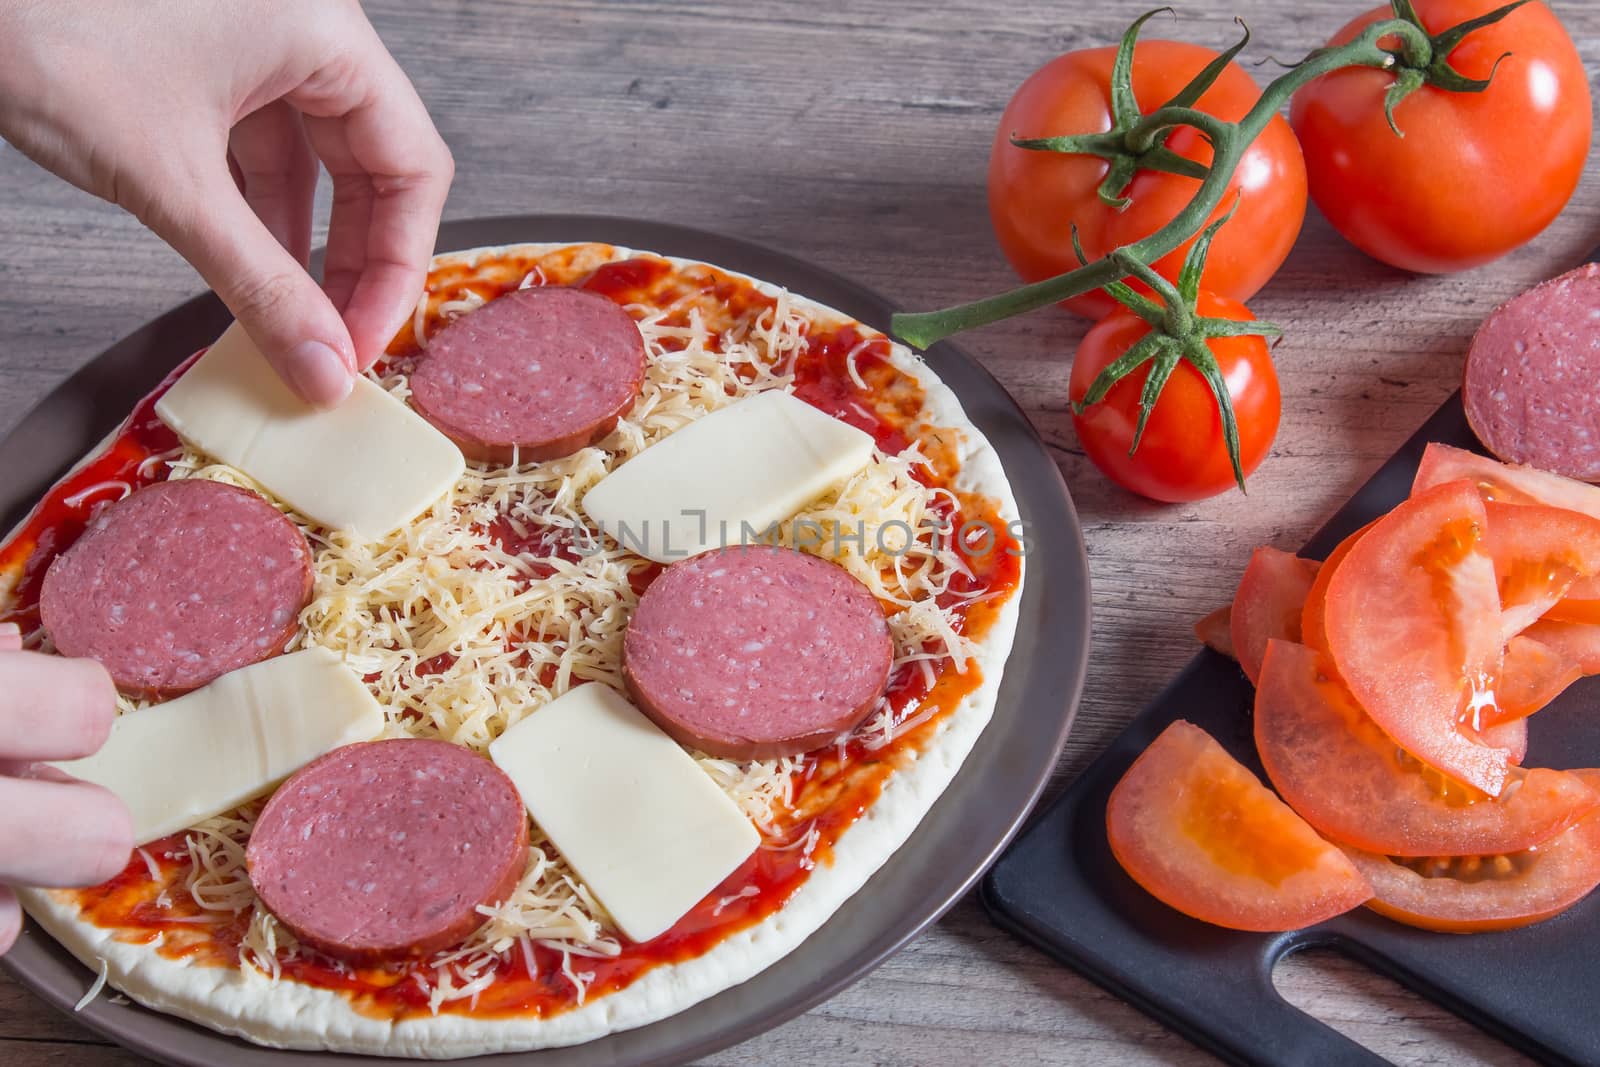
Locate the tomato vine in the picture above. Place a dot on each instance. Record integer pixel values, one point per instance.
(1400, 44)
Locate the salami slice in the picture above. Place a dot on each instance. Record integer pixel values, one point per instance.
(178, 584)
(538, 373)
(752, 652)
(384, 850)
(1530, 380)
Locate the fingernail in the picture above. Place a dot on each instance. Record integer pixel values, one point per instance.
(318, 374)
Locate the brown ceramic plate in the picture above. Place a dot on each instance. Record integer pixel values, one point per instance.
(960, 836)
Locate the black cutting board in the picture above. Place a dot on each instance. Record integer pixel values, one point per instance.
(1058, 886)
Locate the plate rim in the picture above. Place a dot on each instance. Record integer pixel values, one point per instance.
(97, 396)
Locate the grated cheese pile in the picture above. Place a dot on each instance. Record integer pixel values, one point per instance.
(460, 637)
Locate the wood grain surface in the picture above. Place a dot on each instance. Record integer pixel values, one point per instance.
(856, 134)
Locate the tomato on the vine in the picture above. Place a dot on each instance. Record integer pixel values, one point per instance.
(1182, 454)
(1476, 174)
(1036, 197)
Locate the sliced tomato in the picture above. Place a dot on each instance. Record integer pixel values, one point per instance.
(1538, 552)
(1313, 622)
(1202, 834)
(1578, 641)
(1532, 675)
(1352, 783)
(1581, 604)
(1413, 623)
(1215, 631)
(1268, 604)
(1507, 483)
(1511, 736)
(1468, 894)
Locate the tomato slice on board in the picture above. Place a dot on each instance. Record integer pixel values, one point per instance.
(1413, 624)
(1578, 641)
(1507, 483)
(1268, 604)
(1511, 736)
(1581, 604)
(1538, 552)
(1469, 894)
(1215, 631)
(1351, 782)
(1202, 834)
(1532, 675)
(1313, 617)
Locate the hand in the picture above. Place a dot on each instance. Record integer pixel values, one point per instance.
(57, 831)
(206, 119)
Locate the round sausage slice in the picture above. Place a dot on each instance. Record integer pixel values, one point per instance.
(384, 850)
(752, 652)
(1530, 380)
(539, 373)
(177, 584)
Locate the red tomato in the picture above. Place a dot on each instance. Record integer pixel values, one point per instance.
(1268, 605)
(1413, 624)
(1578, 641)
(1511, 736)
(1507, 483)
(1345, 777)
(1538, 552)
(1197, 830)
(1313, 627)
(1476, 174)
(1532, 675)
(1215, 631)
(1467, 894)
(1182, 455)
(1035, 197)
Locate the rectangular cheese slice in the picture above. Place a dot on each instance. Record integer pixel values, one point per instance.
(646, 829)
(211, 750)
(370, 465)
(726, 478)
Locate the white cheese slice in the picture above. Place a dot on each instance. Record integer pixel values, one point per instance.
(370, 465)
(725, 479)
(211, 750)
(646, 829)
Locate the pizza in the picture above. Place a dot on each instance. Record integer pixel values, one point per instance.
(629, 615)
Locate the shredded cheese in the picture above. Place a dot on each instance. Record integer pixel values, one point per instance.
(502, 597)
(94, 990)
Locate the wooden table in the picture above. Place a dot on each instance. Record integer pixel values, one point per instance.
(856, 134)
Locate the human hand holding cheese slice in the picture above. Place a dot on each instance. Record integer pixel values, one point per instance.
(185, 760)
(369, 465)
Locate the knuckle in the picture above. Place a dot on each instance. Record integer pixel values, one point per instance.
(264, 296)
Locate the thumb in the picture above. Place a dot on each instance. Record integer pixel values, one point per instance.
(277, 302)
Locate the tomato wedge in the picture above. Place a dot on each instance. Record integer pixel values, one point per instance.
(1538, 552)
(1468, 894)
(1413, 624)
(1345, 777)
(1581, 604)
(1201, 833)
(1313, 617)
(1215, 631)
(1578, 641)
(1532, 675)
(1511, 736)
(1268, 604)
(1507, 483)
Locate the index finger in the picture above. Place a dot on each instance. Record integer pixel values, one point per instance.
(391, 173)
(53, 708)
